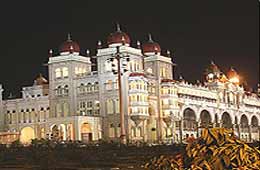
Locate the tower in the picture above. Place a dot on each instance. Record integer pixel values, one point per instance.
(64, 69)
(161, 67)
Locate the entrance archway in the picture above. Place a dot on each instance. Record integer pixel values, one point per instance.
(254, 123)
(86, 133)
(205, 119)
(189, 120)
(27, 134)
(244, 124)
(226, 120)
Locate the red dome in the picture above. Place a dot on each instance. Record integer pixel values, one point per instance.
(118, 37)
(151, 46)
(231, 73)
(69, 46)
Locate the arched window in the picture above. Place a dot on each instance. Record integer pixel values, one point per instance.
(109, 85)
(66, 89)
(89, 87)
(59, 90)
(117, 106)
(96, 86)
(110, 106)
(66, 109)
(65, 72)
(57, 73)
(111, 130)
(81, 88)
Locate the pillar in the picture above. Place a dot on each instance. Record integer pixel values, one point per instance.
(250, 132)
(181, 129)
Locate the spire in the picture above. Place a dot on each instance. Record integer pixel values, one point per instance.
(99, 44)
(150, 38)
(87, 52)
(138, 44)
(50, 53)
(168, 53)
(68, 37)
(118, 27)
(212, 62)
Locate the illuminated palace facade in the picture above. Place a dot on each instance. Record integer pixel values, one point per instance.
(82, 103)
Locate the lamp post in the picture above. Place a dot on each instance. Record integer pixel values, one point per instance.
(119, 73)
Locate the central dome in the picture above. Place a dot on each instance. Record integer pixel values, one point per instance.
(150, 46)
(118, 37)
(69, 46)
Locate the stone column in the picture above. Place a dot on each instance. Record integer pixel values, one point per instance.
(250, 132)
(181, 129)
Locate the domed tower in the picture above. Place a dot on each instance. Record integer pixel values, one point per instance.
(118, 38)
(64, 71)
(212, 73)
(159, 65)
(233, 77)
(69, 46)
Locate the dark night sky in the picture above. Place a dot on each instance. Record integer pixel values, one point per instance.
(226, 31)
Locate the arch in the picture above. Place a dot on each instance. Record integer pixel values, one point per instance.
(86, 132)
(254, 121)
(226, 120)
(189, 119)
(27, 134)
(255, 124)
(54, 132)
(205, 118)
(62, 132)
(244, 124)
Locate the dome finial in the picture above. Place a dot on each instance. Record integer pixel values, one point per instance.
(150, 37)
(87, 52)
(168, 53)
(69, 37)
(118, 27)
(50, 52)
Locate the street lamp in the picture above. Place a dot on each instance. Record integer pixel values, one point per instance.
(119, 73)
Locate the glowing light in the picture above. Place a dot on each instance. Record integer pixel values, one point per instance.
(234, 80)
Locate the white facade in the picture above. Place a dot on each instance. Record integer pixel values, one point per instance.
(77, 103)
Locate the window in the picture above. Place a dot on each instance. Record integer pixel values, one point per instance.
(96, 87)
(111, 130)
(82, 88)
(65, 72)
(163, 72)
(89, 87)
(58, 109)
(117, 106)
(58, 73)
(66, 89)
(82, 105)
(59, 90)
(110, 107)
(89, 107)
(97, 107)
(89, 104)
(138, 132)
(65, 109)
(109, 85)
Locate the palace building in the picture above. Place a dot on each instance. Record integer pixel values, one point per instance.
(80, 99)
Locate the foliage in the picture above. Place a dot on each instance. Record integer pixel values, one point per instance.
(218, 149)
(165, 163)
